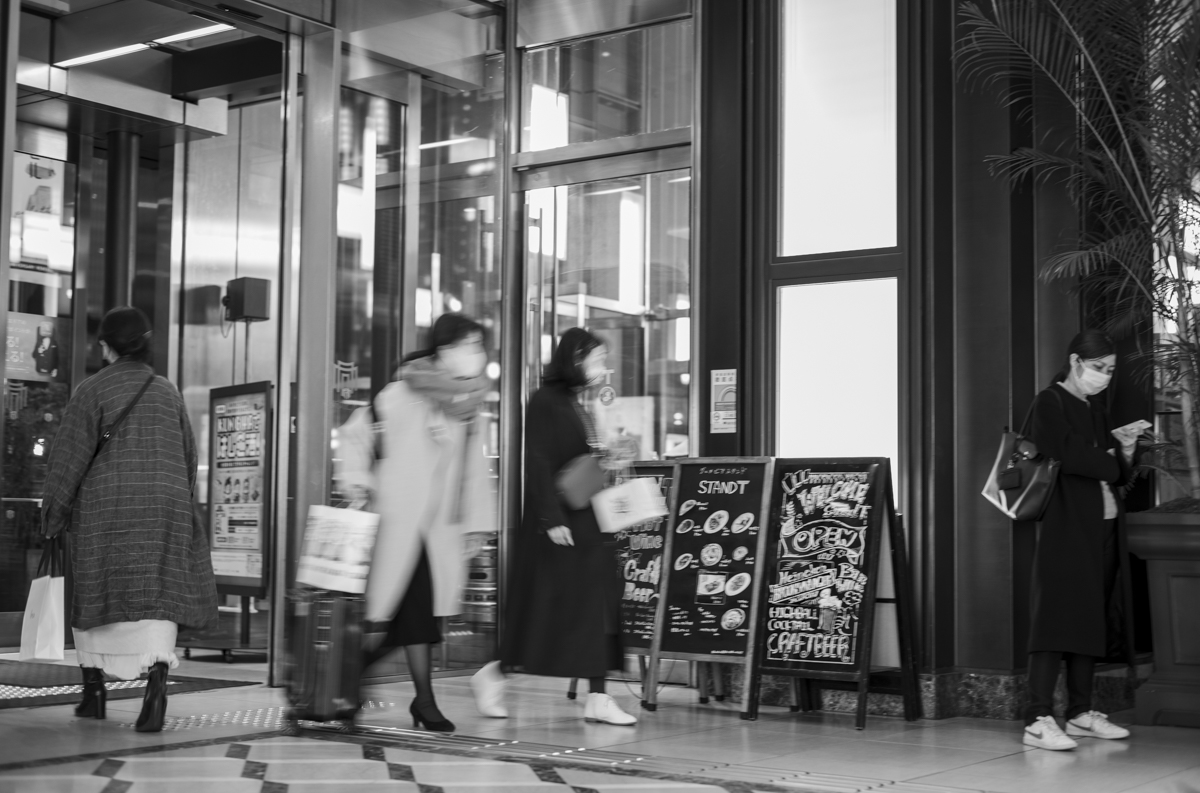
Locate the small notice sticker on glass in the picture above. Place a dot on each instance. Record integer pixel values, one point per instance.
(723, 402)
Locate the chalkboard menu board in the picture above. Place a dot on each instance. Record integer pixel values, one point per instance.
(640, 552)
(817, 602)
(714, 552)
(822, 564)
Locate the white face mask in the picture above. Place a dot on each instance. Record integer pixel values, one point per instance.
(463, 362)
(1090, 381)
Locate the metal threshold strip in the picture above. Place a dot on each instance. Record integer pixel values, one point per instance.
(745, 777)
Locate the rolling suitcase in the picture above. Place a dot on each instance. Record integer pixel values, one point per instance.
(327, 658)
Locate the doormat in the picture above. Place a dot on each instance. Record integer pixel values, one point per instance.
(27, 685)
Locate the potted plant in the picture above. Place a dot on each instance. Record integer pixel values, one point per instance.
(1129, 73)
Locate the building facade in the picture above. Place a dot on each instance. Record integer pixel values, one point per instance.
(777, 213)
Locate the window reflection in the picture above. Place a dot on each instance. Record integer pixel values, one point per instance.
(613, 256)
(609, 87)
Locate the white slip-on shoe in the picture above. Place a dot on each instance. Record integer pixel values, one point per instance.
(1046, 734)
(1095, 724)
(603, 708)
(488, 685)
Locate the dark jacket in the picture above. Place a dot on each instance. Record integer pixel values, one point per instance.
(1074, 609)
(137, 552)
(563, 612)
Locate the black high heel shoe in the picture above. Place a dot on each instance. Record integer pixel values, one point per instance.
(154, 706)
(421, 722)
(95, 695)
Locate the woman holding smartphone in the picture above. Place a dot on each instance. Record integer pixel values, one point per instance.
(1078, 581)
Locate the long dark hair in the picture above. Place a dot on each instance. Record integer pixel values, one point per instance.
(127, 332)
(1088, 345)
(566, 364)
(448, 330)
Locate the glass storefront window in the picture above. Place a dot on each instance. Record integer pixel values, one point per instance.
(613, 256)
(37, 356)
(543, 21)
(859, 421)
(838, 148)
(614, 86)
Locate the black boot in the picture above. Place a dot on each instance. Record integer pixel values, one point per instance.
(95, 695)
(154, 706)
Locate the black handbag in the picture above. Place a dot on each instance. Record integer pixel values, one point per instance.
(583, 477)
(579, 480)
(1022, 479)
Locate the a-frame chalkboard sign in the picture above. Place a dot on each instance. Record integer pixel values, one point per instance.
(712, 564)
(830, 521)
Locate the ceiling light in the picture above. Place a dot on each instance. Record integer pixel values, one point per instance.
(145, 45)
(102, 56)
(610, 191)
(437, 144)
(194, 34)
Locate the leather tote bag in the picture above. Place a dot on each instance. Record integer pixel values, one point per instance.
(1022, 478)
(579, 480)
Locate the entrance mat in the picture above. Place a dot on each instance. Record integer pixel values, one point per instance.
(27, 685)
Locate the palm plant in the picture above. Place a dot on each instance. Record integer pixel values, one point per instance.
(1129, 70)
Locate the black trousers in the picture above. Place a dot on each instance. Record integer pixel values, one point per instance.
(1081, 669)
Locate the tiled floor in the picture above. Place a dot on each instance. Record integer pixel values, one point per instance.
(226, 741)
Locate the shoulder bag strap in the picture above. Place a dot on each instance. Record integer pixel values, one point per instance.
(376, 433)
(112, 428)
(1029, 415)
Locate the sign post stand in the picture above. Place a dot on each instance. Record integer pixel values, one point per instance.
(239, 505)
(713, 559)
(819, 596)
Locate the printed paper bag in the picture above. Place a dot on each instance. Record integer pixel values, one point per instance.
(632, 502)
(338, 544)
(42, 632)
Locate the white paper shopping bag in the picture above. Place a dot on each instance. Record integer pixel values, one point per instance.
(338, 544)
(43, 631)
(628, 504)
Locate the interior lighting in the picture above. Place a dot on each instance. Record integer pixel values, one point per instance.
(437, 144)
(679, 179)
(612, 190)
(128, 49)
(198, 33)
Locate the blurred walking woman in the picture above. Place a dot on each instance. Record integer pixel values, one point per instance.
(141, 563)
(430, 487)
(1077, 576)
(565, 616)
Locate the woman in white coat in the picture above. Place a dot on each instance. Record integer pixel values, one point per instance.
(421, 463)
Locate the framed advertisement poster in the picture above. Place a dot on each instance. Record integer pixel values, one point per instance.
(239, 486)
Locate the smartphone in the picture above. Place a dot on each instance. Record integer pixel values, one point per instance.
(1139, 426)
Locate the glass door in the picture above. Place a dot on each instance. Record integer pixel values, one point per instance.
(416, 210)
(613, 256)
(38, 365)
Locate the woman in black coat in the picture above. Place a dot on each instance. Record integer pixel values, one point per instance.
(1077, 567)
(564, 614)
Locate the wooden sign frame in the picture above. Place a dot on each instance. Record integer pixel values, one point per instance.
(859, 673)
(747, 659)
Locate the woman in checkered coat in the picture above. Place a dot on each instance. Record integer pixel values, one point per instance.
(140, 561)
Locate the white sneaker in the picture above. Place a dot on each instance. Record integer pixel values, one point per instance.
(603, 708)
(1095, 724)
(1046, 734)
(489, 684)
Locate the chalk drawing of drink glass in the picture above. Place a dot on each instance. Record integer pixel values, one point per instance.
(829, 606)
